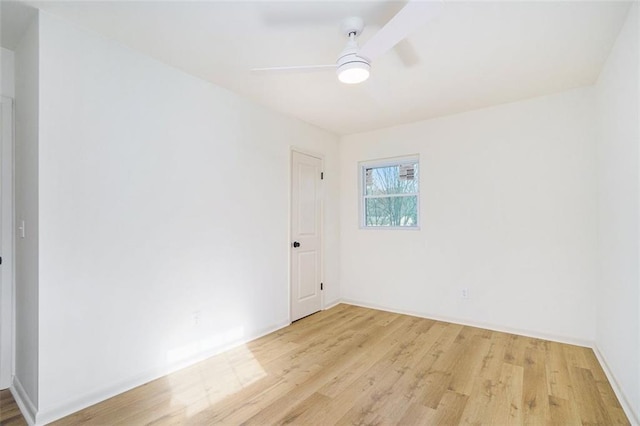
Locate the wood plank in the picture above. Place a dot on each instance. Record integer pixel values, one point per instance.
(563, 412)
(591, 407)
(508, 406)
(535, 397)
(450, 409)
(493, 360)
(467, 368)
(418, 414)
(514, 349)
(558, 381)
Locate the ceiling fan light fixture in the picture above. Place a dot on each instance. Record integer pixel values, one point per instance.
(352, 69)
(353, 72)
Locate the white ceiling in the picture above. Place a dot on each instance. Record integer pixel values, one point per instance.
(474, 55)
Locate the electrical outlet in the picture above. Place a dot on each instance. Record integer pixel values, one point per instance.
(195, 318)
(464, 293)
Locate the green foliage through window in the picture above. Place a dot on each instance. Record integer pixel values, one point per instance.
(390, 194)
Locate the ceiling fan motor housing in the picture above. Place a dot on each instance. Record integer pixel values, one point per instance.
(351, 68)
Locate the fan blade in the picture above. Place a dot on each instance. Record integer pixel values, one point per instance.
(303, 68)
(400, 26)
(407, 53)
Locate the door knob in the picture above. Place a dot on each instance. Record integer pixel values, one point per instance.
(296, 244)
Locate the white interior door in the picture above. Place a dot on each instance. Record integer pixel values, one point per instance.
(6, 242)
(306, 235)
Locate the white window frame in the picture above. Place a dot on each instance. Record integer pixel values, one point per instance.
(386, 162)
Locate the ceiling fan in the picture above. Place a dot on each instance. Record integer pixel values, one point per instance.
(354, 63)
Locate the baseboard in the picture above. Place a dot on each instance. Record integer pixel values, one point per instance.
(55, 413)
(27, 407)
(633, 417)
(488, 326)
(332, 304)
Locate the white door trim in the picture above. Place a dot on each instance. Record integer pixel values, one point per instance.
(7, 285)
(322, 236)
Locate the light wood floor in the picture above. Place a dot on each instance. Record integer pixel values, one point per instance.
(352, 365)
(9, 411)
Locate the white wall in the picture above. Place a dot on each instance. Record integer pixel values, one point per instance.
(507, 210)
(160, 195)
(7, 81)
(618, 296)
(7, 87)
(26, 208)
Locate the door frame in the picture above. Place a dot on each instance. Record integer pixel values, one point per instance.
(7, 283)
(290, 232)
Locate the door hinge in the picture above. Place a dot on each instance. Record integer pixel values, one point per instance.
(0, 260)
(321, 175)
(321, 286)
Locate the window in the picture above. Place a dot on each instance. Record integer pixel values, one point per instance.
(389, 193)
